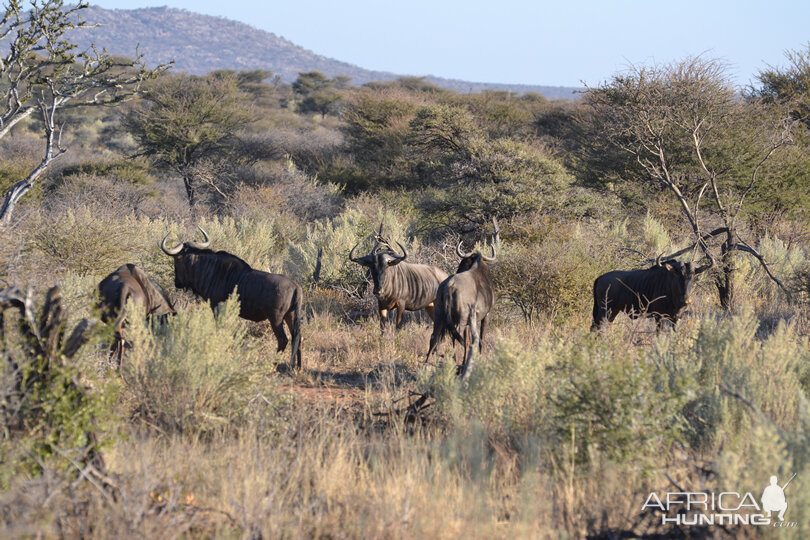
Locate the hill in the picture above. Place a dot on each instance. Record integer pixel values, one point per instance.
(202, 43)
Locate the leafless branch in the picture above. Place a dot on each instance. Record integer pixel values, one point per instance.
(742, 246)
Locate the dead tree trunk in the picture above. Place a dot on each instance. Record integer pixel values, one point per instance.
(725, 278)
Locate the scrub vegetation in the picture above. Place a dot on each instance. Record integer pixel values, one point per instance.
(204, 431)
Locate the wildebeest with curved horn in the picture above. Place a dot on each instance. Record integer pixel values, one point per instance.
(661, 291)
(262, 296)
(130, 282)
(466, 296)
(398, 284)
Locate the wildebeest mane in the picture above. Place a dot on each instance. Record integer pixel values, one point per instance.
(215, 273)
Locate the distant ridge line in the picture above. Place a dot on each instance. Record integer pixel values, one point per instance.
(200, 44)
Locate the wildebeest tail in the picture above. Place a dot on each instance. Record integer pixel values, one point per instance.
(448, 319)
(119, 322)
(296, 359)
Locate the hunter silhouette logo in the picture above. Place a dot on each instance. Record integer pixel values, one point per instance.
(773, 498)
(724, 508)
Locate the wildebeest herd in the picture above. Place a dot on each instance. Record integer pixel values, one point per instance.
(459, 305)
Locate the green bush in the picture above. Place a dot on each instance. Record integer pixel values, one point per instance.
(730, 365)
(50, 416)
(502, 178)
(623, 408)
(554, 277)
(199, 372)
(581, 391)
(376, 126)
(258, 241)
(336, 237)
(128, 170)
(83, 242)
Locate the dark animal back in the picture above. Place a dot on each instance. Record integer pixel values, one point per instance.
(214, 275)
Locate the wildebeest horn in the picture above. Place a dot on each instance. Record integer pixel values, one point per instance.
(658, 260)
(170, 251)
(459, 253)
(399, 258)
(204, 244)
(489, 259)
(351, 253)
(365, 261)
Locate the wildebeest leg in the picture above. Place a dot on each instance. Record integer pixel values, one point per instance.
(434, 341)
(484, 324)
(400, 314)
(117, 349)
(602, 313)
(476, 340)
(597, 315)
(383, 317)
(465, 347)
(281, 337)
(429, 310)
(288, 318)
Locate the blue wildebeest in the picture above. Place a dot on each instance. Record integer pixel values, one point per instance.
(129, 282)
(262, 296)
(398, 284)
(661, 291)
(464, 298)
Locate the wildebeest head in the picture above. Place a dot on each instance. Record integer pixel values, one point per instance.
(468, 260)
(685, 274)
(378, 262)
(181, 271)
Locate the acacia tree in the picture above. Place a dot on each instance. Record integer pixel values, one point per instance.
(790, 84)
(42, 73)
(190, 125)
(317, 92)
(472, 178)
(692, 133)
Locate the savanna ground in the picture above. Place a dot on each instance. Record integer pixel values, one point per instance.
(558, 432)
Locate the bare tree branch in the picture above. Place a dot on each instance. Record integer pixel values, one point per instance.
(748, 249)
(43, 71)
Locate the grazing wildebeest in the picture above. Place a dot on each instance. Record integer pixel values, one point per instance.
(398, 284)
(661, 291)
(464, 297)
(129, 281)
(262, 296)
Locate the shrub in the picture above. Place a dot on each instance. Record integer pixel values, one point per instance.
(48, 417)
(197, 373)
(336, 237)
(259, 242)
(127, 171)
(623, 408)
(578, 391)
(85, 243)
(375, 132)
(286, 190)
(655, 238)
(100, 194)
(501, 178)
(727, 360)
(554, 277)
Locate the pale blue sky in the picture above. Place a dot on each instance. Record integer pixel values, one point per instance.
(559, 43)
